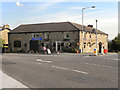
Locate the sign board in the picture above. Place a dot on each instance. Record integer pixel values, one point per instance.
(37, 38)
(17, 38)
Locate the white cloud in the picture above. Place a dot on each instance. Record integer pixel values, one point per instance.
(19, 4)
(46, 5)
(93, 13)
(43, 6)
(106, 24)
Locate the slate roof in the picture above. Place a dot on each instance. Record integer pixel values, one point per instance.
(49, 27)
(1, 29)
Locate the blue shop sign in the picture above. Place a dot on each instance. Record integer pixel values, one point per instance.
(37, 38)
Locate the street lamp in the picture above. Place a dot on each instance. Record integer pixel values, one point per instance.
(83, 28)
(96, 36)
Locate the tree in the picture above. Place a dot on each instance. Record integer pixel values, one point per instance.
(114, 45)
(1, 42)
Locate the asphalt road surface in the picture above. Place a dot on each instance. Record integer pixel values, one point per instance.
(62, 71)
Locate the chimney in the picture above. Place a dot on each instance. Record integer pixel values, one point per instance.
(6, 26)
(90, 26)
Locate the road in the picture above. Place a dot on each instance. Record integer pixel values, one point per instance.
(62, 71)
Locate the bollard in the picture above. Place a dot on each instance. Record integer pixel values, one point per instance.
(95, 51)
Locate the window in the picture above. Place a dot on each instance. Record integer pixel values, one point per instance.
(25, 45)
(35, 35)
(54, 44)
(47, 46)
(65, 44)
(17, 44)
(62, 44)
(85, 35)
(90, 45)
(90, 35)
(46, 35)
(43, 44)
(84, 45)
(66, 36)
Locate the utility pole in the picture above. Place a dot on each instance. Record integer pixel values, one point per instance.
(96, 36)
(82, 33)
(82, 40)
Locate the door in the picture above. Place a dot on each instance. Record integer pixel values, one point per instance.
(100, 47)
(34, 45)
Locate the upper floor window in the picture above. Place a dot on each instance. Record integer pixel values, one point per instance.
(66, 36)
(17, 43)
(46, 35)
(85, 35)
(90, 35)
(35, 35)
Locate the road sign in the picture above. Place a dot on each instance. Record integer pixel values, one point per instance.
(37, 38)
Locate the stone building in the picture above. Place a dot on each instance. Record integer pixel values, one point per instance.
(4, 33)
(60, 36)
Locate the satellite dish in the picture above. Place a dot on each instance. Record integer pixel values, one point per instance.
(18, 3)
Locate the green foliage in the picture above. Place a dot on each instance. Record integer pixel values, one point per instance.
(114, 45)
(1, 41)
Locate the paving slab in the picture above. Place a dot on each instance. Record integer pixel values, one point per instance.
(9, 82)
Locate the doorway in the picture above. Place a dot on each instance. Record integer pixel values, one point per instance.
(100, 47)
(34, 45)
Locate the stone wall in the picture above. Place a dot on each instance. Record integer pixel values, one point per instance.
(89, 42)
(4, 35)
(53, 37)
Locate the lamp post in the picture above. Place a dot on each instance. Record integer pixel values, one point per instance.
(96, 36)
(83, 28)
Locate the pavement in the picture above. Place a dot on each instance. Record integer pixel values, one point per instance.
(66, 70)
(9, 82)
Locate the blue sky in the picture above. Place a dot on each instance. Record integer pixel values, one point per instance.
(41, 12)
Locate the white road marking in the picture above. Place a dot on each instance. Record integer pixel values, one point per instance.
(112, 59)
(85, 56)
(40, 60)
(70, 69)
(112, 53)
(116, 59)
(39, 63)
(44, 55)
(100, 65)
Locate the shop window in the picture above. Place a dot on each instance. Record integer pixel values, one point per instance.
(54, 44)
(47, 46)
(25, 45)
(17, 43)
(69, 44)
(62, 44)
(43, 44)
(65, 44)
